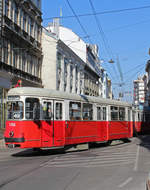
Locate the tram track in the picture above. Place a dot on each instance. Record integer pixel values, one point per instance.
(24, 173)
(85, 159)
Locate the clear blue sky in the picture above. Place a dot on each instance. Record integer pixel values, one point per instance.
(125, 34)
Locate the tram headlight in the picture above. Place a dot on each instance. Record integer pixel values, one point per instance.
(11, 133)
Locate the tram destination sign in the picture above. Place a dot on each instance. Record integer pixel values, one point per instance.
(13, 98)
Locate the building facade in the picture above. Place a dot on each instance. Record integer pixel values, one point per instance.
(146, 95)
(21, 52)
(62, 69)
(148, 82)
(86, 52)
(139, 93)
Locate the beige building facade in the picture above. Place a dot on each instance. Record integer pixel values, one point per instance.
(20, 41)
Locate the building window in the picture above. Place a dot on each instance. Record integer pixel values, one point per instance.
(5, 51)
(11, 11)
(39, 4)
(7, 7)
(20, 19)
(31, 27)
(15, 58)
(24, 21)
(31, 65)
(39, 34)
(59, 56)
(15, 13)
(35, 31)
(23, 62)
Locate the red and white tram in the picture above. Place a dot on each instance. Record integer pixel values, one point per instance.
(141, 121)
(39, 118)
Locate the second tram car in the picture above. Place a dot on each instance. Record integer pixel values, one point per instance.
(42, 118)
(141, 121)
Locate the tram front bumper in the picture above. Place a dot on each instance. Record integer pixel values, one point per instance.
(14, 140)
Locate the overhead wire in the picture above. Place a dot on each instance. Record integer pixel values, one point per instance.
(133, 69)
(102, 34)
(82, 27)
(77, 18)
(94, 13)
(100, 13)
(136, 73)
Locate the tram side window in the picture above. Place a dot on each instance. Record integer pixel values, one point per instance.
(87, 111)
(47, 110)
(75, 111)
(114, 113)
(15, 110)
(58, 111)
(121, 114)
(138, 116)
(104, 113)
(129, 116)
(99, 113)
(32, 108)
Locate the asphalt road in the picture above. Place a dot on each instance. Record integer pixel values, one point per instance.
(116, 167)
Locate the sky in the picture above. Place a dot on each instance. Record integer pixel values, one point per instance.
(120, 28)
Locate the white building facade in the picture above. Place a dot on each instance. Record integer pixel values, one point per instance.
(148, 83)
(87, 53)
(62, 69)
(139, 92)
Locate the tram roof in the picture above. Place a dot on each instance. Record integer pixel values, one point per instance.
(48, 93)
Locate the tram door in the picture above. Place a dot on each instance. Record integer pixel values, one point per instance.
(47, 130)
(59, 123)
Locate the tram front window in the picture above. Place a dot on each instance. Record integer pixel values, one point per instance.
(15, 110)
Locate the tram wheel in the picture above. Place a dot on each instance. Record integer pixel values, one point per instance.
(108, 142)
(126, 140)
(37, 150)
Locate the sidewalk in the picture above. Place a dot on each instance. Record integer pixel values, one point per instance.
(1, 133)
(2, 143)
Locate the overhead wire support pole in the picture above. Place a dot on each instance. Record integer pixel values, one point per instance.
(119, 69)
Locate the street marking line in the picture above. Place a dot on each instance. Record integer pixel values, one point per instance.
(137, 159)
(125, 182)
(84, 165)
